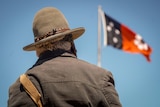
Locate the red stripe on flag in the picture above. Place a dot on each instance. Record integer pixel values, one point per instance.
(133, 43)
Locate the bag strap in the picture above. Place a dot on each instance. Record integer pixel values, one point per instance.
(31, 89)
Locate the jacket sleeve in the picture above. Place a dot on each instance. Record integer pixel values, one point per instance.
(109, 91)
(18, 97)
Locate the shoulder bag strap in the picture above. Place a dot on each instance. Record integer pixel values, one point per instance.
(31, 89)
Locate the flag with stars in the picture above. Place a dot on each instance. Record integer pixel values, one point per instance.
(121, 37)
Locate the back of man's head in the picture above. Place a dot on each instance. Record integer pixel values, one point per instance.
(66, 44)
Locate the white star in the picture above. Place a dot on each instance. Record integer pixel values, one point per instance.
(109, 28)
(115, 40)
(140, 47)
(117, 31)
(138, 37)
(136, 42)
(145, 46)
(111, 24)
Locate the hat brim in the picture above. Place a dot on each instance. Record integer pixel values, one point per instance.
(77, 32)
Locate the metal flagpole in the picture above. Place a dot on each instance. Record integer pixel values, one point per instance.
(101, 16)
(99, 38)
(104, 26)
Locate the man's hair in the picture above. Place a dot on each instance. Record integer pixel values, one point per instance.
(66, 44)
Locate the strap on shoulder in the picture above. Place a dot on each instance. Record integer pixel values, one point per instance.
(31, 89)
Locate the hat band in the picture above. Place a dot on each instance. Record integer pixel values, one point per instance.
(54, 31)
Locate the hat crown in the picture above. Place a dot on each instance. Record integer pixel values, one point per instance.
(48, 19)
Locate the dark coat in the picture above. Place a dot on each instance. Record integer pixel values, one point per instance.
(65, 81)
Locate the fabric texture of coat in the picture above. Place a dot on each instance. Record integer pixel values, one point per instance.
(65, 81)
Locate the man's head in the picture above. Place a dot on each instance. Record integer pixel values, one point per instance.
(49, 27)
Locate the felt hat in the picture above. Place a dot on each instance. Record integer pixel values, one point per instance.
(50, 25)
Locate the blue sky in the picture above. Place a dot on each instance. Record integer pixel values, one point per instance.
(136, 79)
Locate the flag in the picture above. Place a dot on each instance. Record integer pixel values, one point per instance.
(122, 37)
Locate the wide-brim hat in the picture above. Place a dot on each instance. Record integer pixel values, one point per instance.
(50, 25)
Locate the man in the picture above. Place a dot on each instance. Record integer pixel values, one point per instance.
(60, 77)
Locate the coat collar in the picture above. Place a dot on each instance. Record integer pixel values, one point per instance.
(48, 55)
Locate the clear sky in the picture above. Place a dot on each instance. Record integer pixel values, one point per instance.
(137, 81)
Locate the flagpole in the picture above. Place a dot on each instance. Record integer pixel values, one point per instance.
(104, 26)
(99, 37)
(104, 29)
